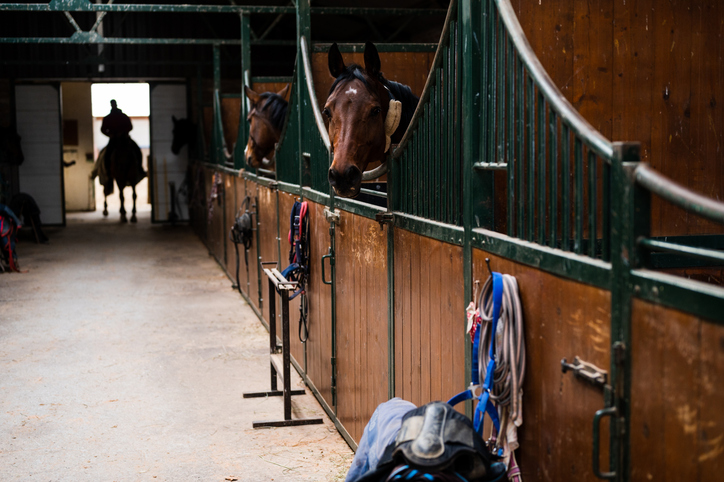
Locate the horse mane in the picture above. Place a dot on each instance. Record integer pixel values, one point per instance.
(277, 108)
(401, 92)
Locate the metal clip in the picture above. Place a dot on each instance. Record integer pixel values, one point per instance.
(331, 216)
(383, 218)
(586, 371)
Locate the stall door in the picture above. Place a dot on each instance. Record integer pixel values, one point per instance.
(167, 169)
(37, 114)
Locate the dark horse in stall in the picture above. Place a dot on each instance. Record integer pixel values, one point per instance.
(184, 132)
(10, 150)
(366, 113)
(121, 167)
(266, 120)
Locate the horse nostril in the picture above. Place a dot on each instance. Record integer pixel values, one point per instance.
(353, 175)
(333, 176)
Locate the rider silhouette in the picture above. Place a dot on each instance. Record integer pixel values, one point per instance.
(116, 126)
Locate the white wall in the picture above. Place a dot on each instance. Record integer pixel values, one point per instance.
(37, 110)
(79, 189)
(167, 100)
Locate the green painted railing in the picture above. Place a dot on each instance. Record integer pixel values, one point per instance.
(427, 163)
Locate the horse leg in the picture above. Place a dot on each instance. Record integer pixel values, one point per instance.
(133, 213)
(105, 205)
(123, 209)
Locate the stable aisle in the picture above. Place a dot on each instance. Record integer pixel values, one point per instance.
(124, 353)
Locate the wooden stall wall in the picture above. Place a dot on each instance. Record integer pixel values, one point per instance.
(197, 206)
(286, 201)
(261, 87)
(252, 190)
(562, 319)
(214, 231)
(677, 426)
(230, 213)
(319, 345)
(362, 320)
(643, 71)
(429, 319)
(268, 249)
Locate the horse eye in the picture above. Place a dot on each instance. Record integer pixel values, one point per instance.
(375, 111)
(327, 113)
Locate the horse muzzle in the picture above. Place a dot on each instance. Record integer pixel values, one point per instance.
(347, 183)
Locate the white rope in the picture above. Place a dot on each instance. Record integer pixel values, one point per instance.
(507, 391)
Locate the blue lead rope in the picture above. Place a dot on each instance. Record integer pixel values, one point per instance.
(484, 402)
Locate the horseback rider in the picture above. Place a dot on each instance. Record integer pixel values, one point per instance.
(117, 125)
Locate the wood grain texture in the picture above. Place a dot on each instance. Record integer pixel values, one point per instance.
(429, 358)
(261, 87)
(677, 428)
(319, 345)
(286, 201)
(268, 249)
(643, 71)
(362, 345)
(231, 207)
(562, 319)
(409, 68)
(214, 233)
(230, 118)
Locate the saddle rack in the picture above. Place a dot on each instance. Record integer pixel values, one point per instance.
(280, 362)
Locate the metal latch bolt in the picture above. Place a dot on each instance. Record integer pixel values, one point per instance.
(331, 216)
(586, 371)
(383, 218)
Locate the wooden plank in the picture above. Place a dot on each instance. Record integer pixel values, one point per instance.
(231, 208)
(427, 254)
(562, 319)
(710, 456)
(438, 322)
(416, 295)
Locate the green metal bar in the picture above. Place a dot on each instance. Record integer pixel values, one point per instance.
(86, 6)
(606, 213)
(446, 134)
(548, 88)
(364, 11)
(441, 186)
(691, 251)
(578, 186)
(553, 178)
(323, 47)
(630, 213)
(470, 101)
(272, 79)
(541, 169)
(678, 195)
(459, 108)
(95, 39)
(243, 133)
(217, 128)
(510, 138)
(583, 269)
(566, 186)
(520, 140)
(530, 156)
(592, 204)
(500, 95)
(700, 299)
(425, 158)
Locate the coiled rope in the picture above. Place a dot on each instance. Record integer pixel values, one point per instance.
(506, 391)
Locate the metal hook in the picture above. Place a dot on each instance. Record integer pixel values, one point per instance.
(487, 262)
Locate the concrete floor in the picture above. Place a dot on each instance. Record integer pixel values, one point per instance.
(124, 354)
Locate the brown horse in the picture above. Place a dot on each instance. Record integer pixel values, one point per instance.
(364, 117)
(123, 168)
(266, 120)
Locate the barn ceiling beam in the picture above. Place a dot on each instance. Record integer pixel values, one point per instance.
(86, 6)
(93, 38)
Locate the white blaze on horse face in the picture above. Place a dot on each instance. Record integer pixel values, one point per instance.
(351, 91)
(246, 150)
(266, 161)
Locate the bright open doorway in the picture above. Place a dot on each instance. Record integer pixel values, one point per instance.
(134, 100)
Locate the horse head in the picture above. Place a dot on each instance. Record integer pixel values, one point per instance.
(11, 151)
(184, 132)
(365, 113)
(266, 119)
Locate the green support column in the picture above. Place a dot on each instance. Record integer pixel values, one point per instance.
(630, 208)
(215, 138)
(243, 133)
(474, 182)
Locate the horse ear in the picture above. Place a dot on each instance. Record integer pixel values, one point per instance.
(372, 60)
(283, 93)
(334, 59)
(253, 96)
